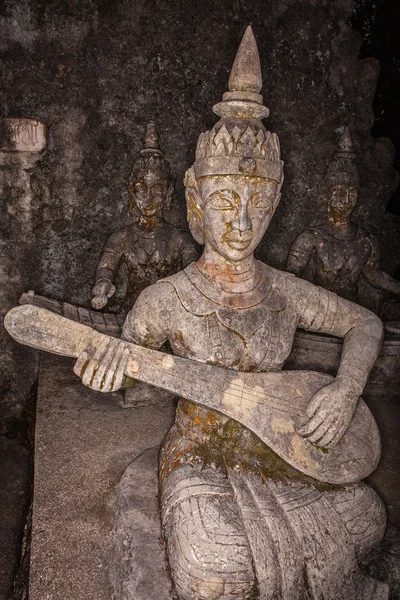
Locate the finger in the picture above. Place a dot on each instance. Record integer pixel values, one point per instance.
(316, 421)
(99, 301)
(330, 431)
(110, 375)
(80, 365)
(328, 425)
(337, 436)
(90, 370)
(111, 291)
(312, 424)
(93, 363)
(102, 348)
(104, 365)
(315, 403)
(120, 372)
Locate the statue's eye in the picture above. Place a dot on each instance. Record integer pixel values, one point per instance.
(221, 201)
(262, 201)
(140, 187)
(157, 189)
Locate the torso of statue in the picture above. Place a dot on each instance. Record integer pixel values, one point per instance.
(336, 259)
(249, 332)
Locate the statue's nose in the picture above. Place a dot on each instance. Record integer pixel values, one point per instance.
(242, 222)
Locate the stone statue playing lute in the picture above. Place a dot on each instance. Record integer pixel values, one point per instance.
(239, 521)
(272, 405)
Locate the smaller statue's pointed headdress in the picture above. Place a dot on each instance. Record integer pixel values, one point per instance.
(151, 157)
(239, 142)
(343, 168)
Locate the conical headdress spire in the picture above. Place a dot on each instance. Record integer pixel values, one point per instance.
(151, 141)
(239, 142)
(246, 71)
(243, 99)
(346, 143)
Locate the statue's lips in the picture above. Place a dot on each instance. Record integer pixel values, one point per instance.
(149, 210)
(239, 244)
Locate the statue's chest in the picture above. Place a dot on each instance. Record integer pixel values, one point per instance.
(154, 254)
(337, 257)
(255, 339)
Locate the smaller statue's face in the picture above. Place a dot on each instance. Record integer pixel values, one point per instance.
(149, 193)
(237, 211)
(342, 202)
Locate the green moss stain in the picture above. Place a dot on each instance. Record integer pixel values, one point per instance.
(221, 442)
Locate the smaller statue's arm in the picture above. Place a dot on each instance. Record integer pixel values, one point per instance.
(189, 250)
(300, 253)
(331, 409)
(373, 273)
(106, 272)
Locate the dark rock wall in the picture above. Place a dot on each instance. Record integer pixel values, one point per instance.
(96, 70)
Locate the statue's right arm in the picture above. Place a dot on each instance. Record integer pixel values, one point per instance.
(146, 324)
(107, 270)
(300, 253)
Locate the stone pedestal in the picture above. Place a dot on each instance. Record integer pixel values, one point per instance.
(84, 443)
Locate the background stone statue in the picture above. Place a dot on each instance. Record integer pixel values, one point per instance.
(149, 248)
(337, 253)
(239, 521)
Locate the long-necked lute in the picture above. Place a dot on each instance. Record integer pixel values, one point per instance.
(271, 404)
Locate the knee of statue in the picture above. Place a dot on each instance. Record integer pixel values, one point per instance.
(212, 587)
(208, 552)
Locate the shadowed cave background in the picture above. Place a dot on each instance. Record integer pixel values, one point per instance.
(94, 71)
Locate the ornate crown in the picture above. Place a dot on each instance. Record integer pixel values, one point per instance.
(239, 142)
(343, 169)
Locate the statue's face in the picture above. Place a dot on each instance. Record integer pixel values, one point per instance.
(342, 201)
(149, 191)
(237, 211)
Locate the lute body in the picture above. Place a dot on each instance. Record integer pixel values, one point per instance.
(271, 404)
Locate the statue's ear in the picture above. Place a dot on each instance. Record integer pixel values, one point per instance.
(195, 215)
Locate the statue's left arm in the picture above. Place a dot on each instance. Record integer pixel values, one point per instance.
(373, 273)
(331, 409)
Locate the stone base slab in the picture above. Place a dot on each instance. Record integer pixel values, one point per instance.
(85, 440)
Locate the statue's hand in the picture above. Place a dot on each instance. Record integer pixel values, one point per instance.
(105, 370)
(330, 411)
(102, 291)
